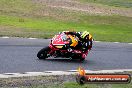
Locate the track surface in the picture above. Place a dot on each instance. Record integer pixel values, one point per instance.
(19, 55)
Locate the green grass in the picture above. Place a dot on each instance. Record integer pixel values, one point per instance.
(115, 3)
(16, 7)
(105, 28)
(24, 18)
(75, 85)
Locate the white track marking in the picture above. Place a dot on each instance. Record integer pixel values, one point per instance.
(50, 39)
(129, 43)
(32, 38)
(69, 72)
(97, 41)
(116, 42)
(5, 37)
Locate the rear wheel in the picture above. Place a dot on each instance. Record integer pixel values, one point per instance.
(42, 54)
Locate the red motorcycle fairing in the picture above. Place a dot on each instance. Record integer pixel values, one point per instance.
(60, 39)
(57, 48)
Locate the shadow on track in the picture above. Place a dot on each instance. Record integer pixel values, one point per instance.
(74, 61)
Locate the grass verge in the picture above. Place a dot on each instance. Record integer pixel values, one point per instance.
(104, 28)
(75, 85)
(115, 3)
(25, 18)
(56, 81)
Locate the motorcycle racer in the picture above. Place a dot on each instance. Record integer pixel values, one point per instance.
(85, 40)
(73, 45)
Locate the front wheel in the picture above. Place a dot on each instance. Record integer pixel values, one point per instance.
(42, 54)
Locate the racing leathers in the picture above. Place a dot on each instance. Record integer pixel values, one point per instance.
(84, 43)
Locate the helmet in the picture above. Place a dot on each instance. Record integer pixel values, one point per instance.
(84, 34)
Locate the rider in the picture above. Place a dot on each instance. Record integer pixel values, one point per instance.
(85, 39)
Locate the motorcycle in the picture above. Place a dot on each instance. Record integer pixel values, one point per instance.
(59, 47)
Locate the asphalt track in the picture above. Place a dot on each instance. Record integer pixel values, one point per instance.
(19, 55)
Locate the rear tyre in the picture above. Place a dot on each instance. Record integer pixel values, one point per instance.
(42, 54)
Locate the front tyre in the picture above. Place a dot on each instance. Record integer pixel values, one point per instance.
(42, 54)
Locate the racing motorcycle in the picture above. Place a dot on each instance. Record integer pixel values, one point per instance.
(59, 47)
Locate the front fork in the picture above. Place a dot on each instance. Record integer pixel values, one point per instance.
(52, 49)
